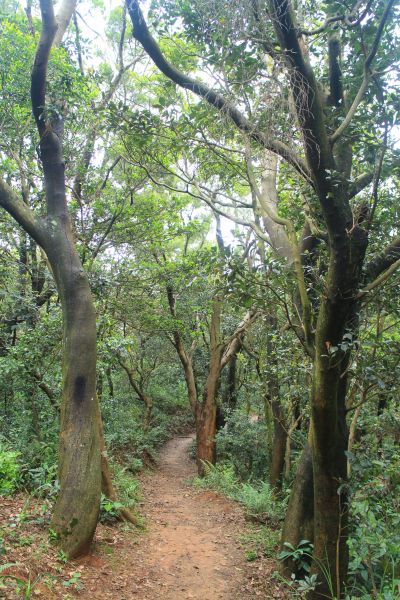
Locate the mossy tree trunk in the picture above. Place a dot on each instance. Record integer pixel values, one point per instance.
(206, 410)
(77, 506)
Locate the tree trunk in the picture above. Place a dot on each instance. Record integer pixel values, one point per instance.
(329, 438)
(206, 412)
(110, 383)
(77, 507)
(230, 393)
(206, 428)
(352, 436)
(299, 519)
(148, 404)
(278, 446)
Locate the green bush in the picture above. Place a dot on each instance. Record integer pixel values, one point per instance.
(260, 500)
(257, 498)
(244, 444)
(374, 539)
(128, 491)
(9, 471)
(221, 478)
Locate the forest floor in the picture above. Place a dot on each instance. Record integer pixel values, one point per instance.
(193, 547)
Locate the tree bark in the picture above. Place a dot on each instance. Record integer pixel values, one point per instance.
(77, 506)
(299, 519)
(206, 411)
(278, 446)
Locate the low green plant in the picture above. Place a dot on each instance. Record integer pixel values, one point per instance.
(257, 498)
(25, 586)
(74, 581)
(262, 539)
(109, 509)
(300, 554)
(221, 478)
(307, 584)
(251, 555)
(9, 470)
(128, 489)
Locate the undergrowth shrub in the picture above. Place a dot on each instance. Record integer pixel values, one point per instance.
(243, 443)
(257, 497)
(128, 491)
(374, 537)
(9, 470)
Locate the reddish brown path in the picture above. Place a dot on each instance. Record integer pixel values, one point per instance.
(192, 548)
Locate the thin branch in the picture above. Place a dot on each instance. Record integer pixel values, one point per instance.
(379, 280)
(350, 20)
(368, 61)
(377, 177)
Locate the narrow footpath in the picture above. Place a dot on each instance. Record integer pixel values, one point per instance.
(191, 550)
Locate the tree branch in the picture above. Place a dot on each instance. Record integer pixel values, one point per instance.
(39, 71)
(236, 341)
(349, 20)
(21, 212)
(295, 256)
(379, 280)
(310, 113)
(143, 35)
(383, 261)
(63, 18)
(363, 87)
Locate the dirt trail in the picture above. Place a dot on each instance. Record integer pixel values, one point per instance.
(191, 550)
(192, 537)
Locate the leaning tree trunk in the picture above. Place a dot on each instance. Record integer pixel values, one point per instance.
(206, 411)
(77, 507)
(206, 417)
